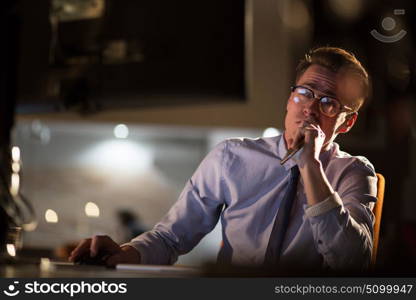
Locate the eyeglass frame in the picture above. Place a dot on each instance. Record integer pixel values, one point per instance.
(343, 108)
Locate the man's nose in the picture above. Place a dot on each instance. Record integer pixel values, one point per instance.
(311, 108)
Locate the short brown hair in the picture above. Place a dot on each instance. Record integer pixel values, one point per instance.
(335, 59)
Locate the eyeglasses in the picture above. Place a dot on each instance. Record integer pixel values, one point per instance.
(328, 106)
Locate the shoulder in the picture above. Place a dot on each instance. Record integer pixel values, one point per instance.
(348, 162)
(352, 176)
(244, 151)
(253, 144)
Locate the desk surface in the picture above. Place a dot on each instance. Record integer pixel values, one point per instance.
(69, 270)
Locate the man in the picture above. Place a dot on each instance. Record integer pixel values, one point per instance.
(241, 181)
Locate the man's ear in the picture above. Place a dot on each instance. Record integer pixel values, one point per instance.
(348, 123)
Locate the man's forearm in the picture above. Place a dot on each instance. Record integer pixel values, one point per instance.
(317, 186)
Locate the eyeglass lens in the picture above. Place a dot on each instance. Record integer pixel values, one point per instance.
(327, 105)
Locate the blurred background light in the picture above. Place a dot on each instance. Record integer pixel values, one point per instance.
(15, 167)
(349, 10)
(92, 210)
(51, 216)
(121, 131)
(14, 185)
(121, 156)
(295, 14)
(270, 132)
(16, 154)
(40, 132)
(11, 250)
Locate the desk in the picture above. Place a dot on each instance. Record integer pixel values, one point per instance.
(69, 270)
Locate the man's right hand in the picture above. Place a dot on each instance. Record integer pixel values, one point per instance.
(101, 249)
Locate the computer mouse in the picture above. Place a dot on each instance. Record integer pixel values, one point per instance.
(98, 260)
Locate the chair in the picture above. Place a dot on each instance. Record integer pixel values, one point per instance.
(377, 210)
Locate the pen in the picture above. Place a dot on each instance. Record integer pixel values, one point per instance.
(291, 152)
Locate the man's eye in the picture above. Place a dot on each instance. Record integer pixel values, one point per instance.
(327, 101)
(304, 92)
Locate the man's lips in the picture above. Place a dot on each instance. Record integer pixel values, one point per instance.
(310, 120)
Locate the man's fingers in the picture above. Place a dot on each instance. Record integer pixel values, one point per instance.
(311, 129)
(103, 243)
(95, 243)
(115, 259)
(307, 130)
(312, 132)
(82, 248)
(126, 255)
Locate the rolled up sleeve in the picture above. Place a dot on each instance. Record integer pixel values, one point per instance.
(342, 225)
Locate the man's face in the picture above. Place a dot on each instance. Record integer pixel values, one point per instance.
(322, 82)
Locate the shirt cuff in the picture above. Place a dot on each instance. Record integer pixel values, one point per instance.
(320, 208)
(135, 246)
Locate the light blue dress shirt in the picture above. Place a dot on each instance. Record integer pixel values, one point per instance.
(242, 183)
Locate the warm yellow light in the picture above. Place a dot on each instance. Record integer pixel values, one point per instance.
(347, 9)
(51, 216)
(11, 250)
(92, 210)
(16, 167)
(15, 183)
(295, 14)
(15, 154)
(46, 264)
(30, 226)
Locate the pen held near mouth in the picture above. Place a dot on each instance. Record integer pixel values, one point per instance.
(291, 152)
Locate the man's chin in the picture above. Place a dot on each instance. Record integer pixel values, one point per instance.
(288, 140)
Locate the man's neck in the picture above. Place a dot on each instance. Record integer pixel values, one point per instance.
(288, 142)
